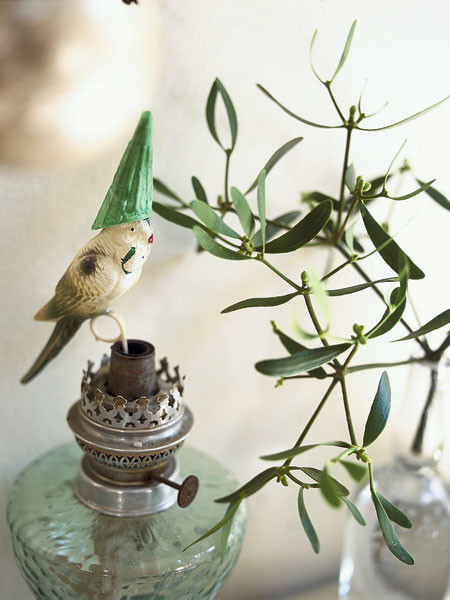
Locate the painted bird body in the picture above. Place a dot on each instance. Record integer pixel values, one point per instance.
(111, 263)
(98, 274)
(104, 269)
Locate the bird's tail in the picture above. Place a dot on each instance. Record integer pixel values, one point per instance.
(64, 330)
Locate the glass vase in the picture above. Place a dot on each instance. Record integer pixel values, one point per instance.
(412, 482)
(66, 550)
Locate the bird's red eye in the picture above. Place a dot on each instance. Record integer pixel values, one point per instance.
(150, 239)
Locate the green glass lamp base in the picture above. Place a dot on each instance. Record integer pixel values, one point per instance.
(67, 550)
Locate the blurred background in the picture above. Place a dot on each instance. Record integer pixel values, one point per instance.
(74, 77)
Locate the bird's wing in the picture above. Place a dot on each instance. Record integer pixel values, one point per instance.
(84, 289)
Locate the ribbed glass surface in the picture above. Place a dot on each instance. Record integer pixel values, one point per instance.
(66, 550)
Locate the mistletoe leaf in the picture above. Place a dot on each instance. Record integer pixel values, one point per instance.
(354, 511)
(303, 232)
(315, 474)
(410, 118)
(394, 513)
(346, 50)
(422, 188)
(229, 514)
(211, 219)
(251, 486)
(262, 208)
(437, 322)
(292, 346)
(219, 88)
(174, 216)
(306, 522)
(356, 471)
(359, 287)
(292, 114)
(213, 247)
(304, 360)
(162, 188)
(390, 537)
(199, 190)
(291, 452)
(435, 195)
(244, 212)
(276, 156)
(257, 302)
(274, 226)
(388, 249)
(328, 488)
(379, 412)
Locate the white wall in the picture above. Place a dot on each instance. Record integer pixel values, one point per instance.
(403, 49)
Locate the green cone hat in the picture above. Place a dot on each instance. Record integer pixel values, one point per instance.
(130, 196)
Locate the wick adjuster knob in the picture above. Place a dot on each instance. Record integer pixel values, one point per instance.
(186, 490)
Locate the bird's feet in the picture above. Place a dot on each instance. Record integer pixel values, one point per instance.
(122, 327)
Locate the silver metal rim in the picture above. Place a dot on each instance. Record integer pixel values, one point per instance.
(125, 501)
(116, 441)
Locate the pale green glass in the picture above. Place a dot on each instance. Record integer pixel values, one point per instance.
(66, 550)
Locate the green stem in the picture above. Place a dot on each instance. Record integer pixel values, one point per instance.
(417, 444)
(279, 273)
(333, 383)
(227, 171)
(399, 363)
(337, 269)
(347, 217)
(330, 260)
(413, 307)
(333, 99)
(315, 320)
(424, 345)
(350, 356)
(317, 326)
(344, 170)
(348, 415)
(344, 454)
(443, 347)
(227, 241)
(306, 377)
(371, 481)
(314, 416)
(301, 483)
(275, 223)
(268, 221)
(398, 188)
